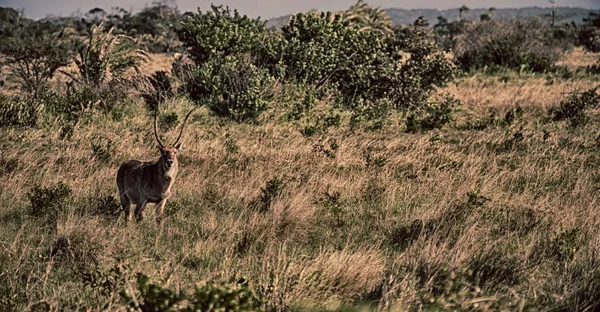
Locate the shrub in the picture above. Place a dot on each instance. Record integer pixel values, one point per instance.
(159, 89)
(365, 67)
(573, 108)
(83, 98)
(236, 89)
(589, 35)
(47, 203)
(206, 297)
(506, 44)
(445, 32)
(219, 34)
(433, 116)
(17, 111)
(34, 57)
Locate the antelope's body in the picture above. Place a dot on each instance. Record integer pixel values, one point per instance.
(141, 183)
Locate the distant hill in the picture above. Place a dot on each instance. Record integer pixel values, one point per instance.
(403, 17)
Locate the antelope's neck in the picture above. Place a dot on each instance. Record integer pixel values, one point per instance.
(168, 173)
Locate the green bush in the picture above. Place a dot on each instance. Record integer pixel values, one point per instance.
(573, 108)
(519, 44)
(48, 203)
(365, 67)
(231, 88)
(18, 111)
(432, 116)
(219, 33)
(159, 89)
(589, 35)
(236, 57)
(206, 297)
(80, 99)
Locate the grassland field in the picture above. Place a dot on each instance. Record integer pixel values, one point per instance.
(481, 215)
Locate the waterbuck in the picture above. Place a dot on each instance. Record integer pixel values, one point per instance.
(141, 183)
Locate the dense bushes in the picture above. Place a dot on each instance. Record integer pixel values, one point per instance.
(519, 44)
(589, 36)
(219, 33)
(573, 108)
(236, 59)
(233, 88)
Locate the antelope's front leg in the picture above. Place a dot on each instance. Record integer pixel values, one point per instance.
(160, 210)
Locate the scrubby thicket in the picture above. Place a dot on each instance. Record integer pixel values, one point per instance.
(337, 163)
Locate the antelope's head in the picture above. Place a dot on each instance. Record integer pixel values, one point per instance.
(168, 155)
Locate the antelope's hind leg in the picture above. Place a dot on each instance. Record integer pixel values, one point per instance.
(139, 210)
(126, 204)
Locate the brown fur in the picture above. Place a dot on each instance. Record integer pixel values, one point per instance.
(141, 183)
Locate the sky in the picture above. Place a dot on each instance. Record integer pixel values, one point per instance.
(272, 8)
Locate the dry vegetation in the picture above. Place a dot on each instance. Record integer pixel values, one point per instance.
(488, 216)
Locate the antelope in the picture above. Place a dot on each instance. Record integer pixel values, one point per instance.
(141, 183)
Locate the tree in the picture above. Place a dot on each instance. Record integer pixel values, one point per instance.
(462, 10)
(421, 22)
(105, 56)
(364, 17)
(553, 13)
(589, 35)
(34, 57)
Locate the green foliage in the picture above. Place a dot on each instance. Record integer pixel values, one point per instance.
(369, 69)
(226, 77)
(18, 111)
(573, 108)
(48, 203)
(159, 89)
(589, 35)
(518, 45)
(168, 121)
(365, 67)
(232, 88)
(104, 57)
(433, 116)
(102, 151)
(206, 297)
(219, 33)
(33, 58)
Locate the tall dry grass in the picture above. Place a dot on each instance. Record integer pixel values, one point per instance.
(387, 220)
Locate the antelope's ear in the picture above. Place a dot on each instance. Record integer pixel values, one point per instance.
(180, 146)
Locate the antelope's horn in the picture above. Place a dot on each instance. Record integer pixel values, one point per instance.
(183, 127)
(156, 131)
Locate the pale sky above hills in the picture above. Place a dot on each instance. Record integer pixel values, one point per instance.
(272, 8)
